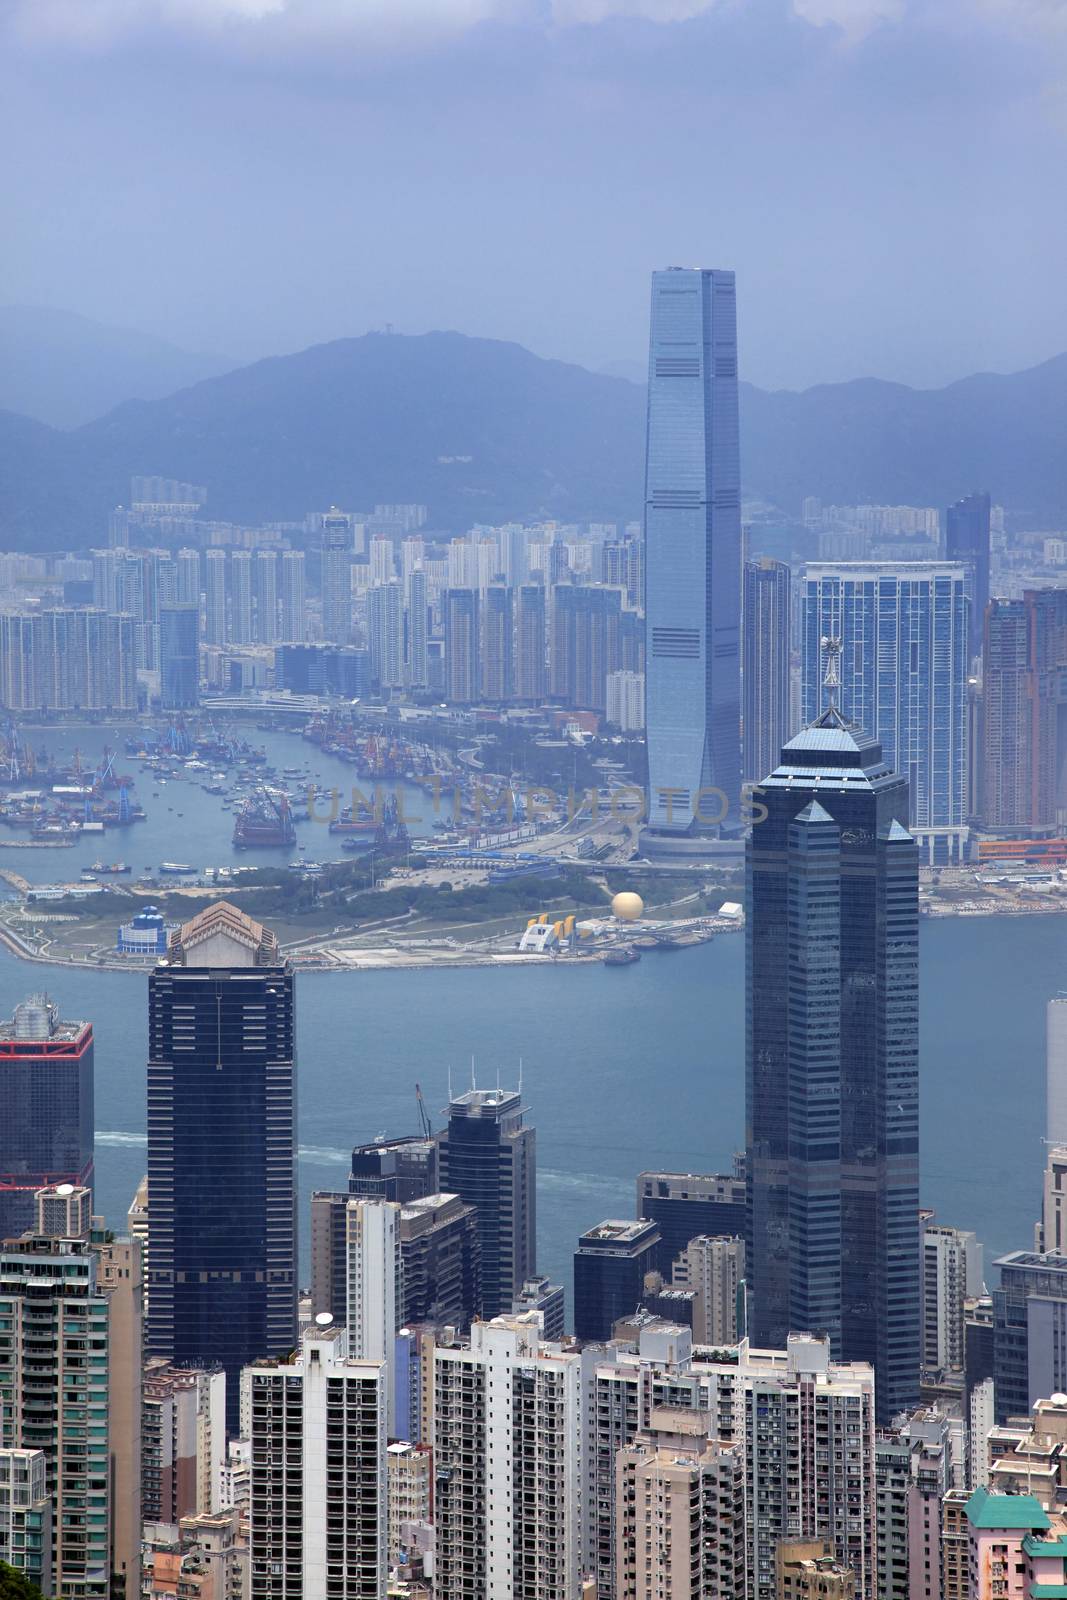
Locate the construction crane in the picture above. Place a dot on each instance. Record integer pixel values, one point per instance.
(424, 1121)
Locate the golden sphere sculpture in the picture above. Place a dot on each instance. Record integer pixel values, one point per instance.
(627, 906)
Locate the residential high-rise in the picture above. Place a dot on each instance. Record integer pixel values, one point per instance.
(1056, 1071)
(509, 1454)
(441, 1262)
(586, 624)
(805, 1425)
(336, 576)
(679, 1518)
(187, 578)
(241, 629)
(215, 597)
(462, 646)
(221, 1147)
(292, 618)
(385, 631)
(531, 646)
(46, 1091)
(715, 1269)
(808, 1570)
(184, 1442)
(318, 1506)
(765, 669)
(372, 1249)
(832, 1101)
(1024, 692)
(418, 630)
(179, 657)
(693, 553)
(265, 596)
(609, 1274)
(487, 1155)
(626, 701)
(54, 1370)
(967, 540)
(26, 1515)
(498, 644)
(904, 662)
(951, 1275)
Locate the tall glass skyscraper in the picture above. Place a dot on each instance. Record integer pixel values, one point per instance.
(693, 554)
(832, 1088)
(46, 1096)
(903, 667)
(766, 664)
(179, 654)
(967, 540)
(221, 1148)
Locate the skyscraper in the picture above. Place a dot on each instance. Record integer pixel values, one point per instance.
(462, 646)
(497, 644)
(214, 597)
(1024, 713)
(693, 554)
(265, 586)
(418, 630)
(904, 660)
(609, 1274)
(531, 649)
(336, 577)
(832, 1057)
(46, 1092)
(293, 621)
(385, 629)
(967, 540)
(221, 1147)
(241, 597)
(487, 1155)
(765, 675)
(179, 657)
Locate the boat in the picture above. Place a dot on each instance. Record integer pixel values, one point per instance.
(264, 821)
(623, 956)
(176, 869)
(109, 867)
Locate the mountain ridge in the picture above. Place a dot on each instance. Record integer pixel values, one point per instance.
(484, 431)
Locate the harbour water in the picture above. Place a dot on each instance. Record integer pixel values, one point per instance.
(623, 1069)
(184, 824)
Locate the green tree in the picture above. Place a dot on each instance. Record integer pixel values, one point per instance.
(15, 1585)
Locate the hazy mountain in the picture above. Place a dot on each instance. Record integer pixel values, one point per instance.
(484, 431)
(65, 369)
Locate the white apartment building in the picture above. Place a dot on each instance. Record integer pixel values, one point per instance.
(626, 701)
(318, 1514)
(509, 1478)
(715, 1268)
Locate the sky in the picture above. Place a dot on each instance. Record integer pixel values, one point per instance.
(247, 177)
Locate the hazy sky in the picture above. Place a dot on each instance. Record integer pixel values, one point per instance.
(250, 176)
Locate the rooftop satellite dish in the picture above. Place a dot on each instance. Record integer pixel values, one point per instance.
(64, 1188)
(1058, 1399)
(324, 1318)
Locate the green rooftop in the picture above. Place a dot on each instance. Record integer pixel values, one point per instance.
(1055, 1546)
(1048, 1591)
(986, 1510)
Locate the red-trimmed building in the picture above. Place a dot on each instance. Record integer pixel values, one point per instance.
(46, 1092)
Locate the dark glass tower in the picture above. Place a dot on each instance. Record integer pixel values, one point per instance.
(693, 554)
(609, 1274)
(46, 1108)
(179, 657)
(766, 664)
(221, 1147)
(487, 1155)
(967, 539)
(832, 1123)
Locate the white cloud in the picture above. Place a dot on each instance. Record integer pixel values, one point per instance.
(569, 12)
(855, 18)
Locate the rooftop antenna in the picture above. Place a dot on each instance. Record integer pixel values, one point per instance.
(450, 1085)
(831, 680)
(473, 1084)
(520, 1077)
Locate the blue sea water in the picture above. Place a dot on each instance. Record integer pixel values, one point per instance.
(623, 1068)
